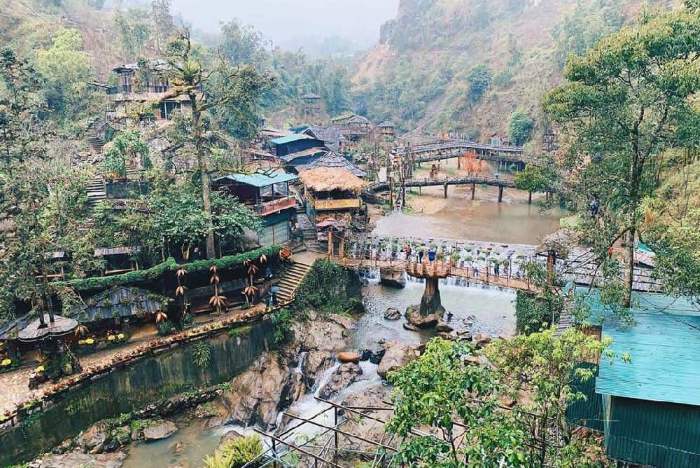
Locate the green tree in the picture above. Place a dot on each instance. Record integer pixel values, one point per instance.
(520, 128)
(547, 366)
(126, 149)
(479, 80)
(670, 226)
(178, 218)
(534, 178)
(624, 102)
(189, 77)
(134, 30)
(66, 70)
(444, 391)
(163, 24)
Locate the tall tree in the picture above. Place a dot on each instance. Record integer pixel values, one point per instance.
(190, 77)
(624, 102)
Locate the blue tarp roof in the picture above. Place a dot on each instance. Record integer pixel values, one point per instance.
(663, 343)
(289, 138)
(259, 179)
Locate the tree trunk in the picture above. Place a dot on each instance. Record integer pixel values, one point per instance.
(203, 167)
(627, 302)
(529, 197)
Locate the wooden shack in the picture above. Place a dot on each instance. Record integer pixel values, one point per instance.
(268, 194)
(331, 190)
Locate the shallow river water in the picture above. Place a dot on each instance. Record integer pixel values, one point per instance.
(483, 219)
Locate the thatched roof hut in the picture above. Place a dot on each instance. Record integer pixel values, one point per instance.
(560, 242)
(328, 179)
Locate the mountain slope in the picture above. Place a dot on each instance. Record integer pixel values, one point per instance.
(421, 75)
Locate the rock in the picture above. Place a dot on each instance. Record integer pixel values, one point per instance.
(410, 327)
(345, 322)
(392, 277)
(349, 356)
(443, 327)
(373, 355)
(258, 393)
(415, 318)
(392, 314)
(396, 356)
(77, 458)
(177, 448)
(230, 435)
(481, 340)
(65, 446)
(159, 430)
(93, 440)
(343, 376)
(374, 396)
(316, 362)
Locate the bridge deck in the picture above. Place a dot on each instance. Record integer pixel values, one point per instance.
(466, 273)
(428, 182)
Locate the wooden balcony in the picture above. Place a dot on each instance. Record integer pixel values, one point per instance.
(342, 204)
(275, 206)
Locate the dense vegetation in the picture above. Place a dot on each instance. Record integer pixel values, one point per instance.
(466, 65)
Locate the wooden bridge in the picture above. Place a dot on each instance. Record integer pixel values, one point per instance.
(454, 148)
(441, 269)
(493, 181)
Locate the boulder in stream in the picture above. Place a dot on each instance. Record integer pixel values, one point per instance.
(349, 356)
(418, 320)
(392, 313)
(78, 458)
(343, 376)
(94, 439)
(396, 355)
(158, 430)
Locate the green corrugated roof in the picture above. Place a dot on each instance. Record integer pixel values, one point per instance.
(663, 343)
(259, 179)
(289, 138)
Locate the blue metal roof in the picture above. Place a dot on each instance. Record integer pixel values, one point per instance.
(663, 344)
(260, 179)
(289, 138)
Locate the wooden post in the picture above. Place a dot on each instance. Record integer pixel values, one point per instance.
(473, 190)
(335, 433)
(330, 242)
(445, 186)
(341, 251)
(500, 193)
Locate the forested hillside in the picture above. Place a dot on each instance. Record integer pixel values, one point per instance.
(467, 65)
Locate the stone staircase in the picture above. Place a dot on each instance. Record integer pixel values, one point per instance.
(290, 280)
(96, 191)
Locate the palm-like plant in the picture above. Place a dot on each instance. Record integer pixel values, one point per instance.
(161, 316)
(217, 301)
(81, 330)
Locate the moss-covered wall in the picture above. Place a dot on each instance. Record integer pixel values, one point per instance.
(329, 288)
(131, 388)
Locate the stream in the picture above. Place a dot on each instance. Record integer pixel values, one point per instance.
(492, 311)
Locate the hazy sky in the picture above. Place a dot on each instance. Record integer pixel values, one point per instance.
(289, 21)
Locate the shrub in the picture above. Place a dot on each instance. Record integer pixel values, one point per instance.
(235, 453)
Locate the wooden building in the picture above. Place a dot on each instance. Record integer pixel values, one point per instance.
(293, 143)
(143, 83)
(333, 191)
(647, 406)
(269, 196)
(353, 127)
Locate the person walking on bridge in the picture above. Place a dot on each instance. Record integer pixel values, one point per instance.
(421, 253)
